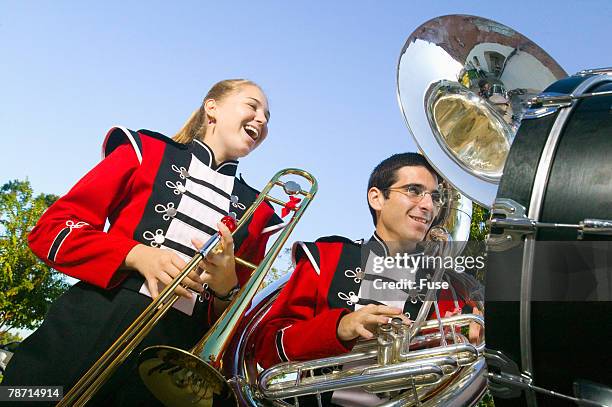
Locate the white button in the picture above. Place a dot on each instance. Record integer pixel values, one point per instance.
(354, 299)
(159, 239)
(181, 188)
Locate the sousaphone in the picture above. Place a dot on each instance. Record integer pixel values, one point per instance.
(463, 83)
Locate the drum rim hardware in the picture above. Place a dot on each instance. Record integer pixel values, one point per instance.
(509, 381)
(548, 103)
(606, 70)
(509, 218)
(527, 385)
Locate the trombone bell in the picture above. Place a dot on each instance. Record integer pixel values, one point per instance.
(180, 378)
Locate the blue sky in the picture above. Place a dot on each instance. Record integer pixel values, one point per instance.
(71, 70)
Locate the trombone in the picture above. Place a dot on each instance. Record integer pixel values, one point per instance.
(177, 377)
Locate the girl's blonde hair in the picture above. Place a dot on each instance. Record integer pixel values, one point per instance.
(195, 127)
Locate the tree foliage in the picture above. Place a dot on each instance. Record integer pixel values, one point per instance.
(478, 232)
(478, 227)
(8, 337)
(282, 266)
(27, 286)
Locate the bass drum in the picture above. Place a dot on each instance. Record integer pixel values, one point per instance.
(549, 275)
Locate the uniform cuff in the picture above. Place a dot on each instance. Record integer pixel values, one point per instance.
(112, 279)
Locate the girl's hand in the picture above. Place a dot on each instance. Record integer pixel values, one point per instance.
(218, 269)
(161, 266)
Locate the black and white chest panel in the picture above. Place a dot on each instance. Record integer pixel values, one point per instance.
(188, 198)
(187, 201)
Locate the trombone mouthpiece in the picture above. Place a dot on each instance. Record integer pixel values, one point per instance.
(230, 222)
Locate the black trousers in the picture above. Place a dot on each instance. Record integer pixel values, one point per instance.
(78, 329)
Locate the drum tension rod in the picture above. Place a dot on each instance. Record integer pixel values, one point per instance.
(526, 226)
(607, 70)
(525, 385)
(507, 214)
(562, 100)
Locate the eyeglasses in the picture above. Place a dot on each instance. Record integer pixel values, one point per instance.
(416, 193)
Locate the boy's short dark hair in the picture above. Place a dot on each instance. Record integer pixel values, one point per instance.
(385, 173)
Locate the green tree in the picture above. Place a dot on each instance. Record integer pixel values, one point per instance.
(8, 337)
(282, 266)
(27, 286)
(478, 232)
(478, 227)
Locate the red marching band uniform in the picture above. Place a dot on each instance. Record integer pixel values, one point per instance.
(138, 169)
(153, 191)
(326, 285)
(330, 280)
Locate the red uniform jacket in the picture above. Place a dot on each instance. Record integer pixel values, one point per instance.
(325, 285)
(153, 191)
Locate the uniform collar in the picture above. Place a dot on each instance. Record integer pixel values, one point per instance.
(377, 245)
(380, 248)
(205, 154)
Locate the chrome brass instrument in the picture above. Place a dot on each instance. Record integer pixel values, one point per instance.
(388, 364)
(180, 378)
(463, 84)
(211, 346)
